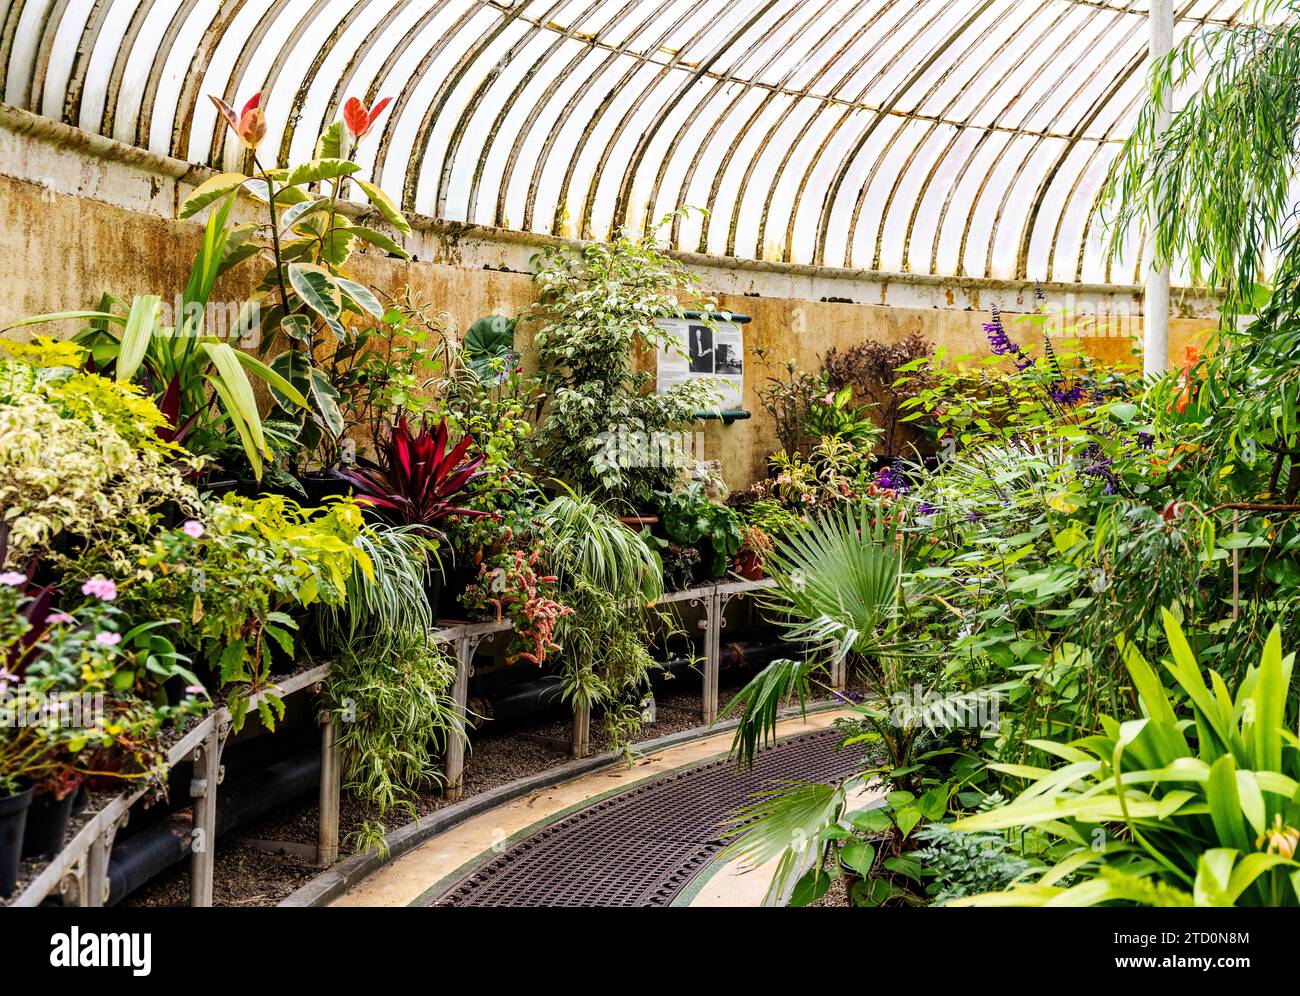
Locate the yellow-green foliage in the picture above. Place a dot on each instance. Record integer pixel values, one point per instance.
(79, 454)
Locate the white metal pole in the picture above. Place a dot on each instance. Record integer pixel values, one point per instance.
(1155, 323)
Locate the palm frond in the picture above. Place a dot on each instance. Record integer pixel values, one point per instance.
(787, 821)
(837, 581)
(760, 703)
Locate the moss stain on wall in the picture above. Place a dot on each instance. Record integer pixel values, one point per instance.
(60, 251)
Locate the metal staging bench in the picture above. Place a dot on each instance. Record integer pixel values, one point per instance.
(79, 873)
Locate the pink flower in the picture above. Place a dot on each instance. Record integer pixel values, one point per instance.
(192, 528)
(59, 618)
(829, 399)
(13, 579)
(100, 588)
(108, 639)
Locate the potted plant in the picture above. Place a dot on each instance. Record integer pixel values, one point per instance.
(509, 586)
(691, 518)
(755, 545)
(605, 429)
(418, 483)
(75, 709)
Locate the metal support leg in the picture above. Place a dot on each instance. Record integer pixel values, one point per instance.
(94, 891)
(840, 675)
(712, 623)
(203, 842)
(455, 755)
(327, 846)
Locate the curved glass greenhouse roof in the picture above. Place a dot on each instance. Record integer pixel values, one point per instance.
(944, 137)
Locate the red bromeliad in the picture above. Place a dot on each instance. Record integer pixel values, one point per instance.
(419, 477)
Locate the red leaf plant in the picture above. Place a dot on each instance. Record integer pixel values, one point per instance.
(359, 119)
(249, 124)
(419, 477)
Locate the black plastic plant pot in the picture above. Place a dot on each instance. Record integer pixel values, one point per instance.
(455, 578)
(321, 487)
(47, 823)
(433, 590)
(13, 820)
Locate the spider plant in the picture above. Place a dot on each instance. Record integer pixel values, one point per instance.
(396, 717)
(609, 577)
(1189, 805)
(586, 542)
(390, 601)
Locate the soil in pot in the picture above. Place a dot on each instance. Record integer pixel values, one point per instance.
(13, 821)
(47, 823)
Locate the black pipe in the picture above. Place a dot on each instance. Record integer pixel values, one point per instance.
(506, 702)
(155, 848)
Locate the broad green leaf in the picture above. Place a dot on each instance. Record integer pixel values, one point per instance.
(320, 169)
(361, 296)
(858, 856)
(292, 367)
(317, 290)
(384, 205)
(212, 189)
(326, 396)
(330, 143)
(811, 887)
(142, 324)
(240, 391)
(298, 212)
(298, 327)
(379, 240)
(281, 386)
(251, 450)
(488, 339)
(1225, 805)
(1270, 705)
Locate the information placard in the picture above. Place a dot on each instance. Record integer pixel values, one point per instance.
(716, 351)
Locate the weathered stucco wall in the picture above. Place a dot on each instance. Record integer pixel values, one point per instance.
(80, 216)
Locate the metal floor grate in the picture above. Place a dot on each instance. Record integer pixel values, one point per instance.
(641, 847)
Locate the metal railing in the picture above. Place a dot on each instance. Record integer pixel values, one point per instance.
(79, 873)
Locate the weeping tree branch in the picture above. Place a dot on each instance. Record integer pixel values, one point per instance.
(1214, 187)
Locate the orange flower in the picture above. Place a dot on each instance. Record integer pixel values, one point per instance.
(358, 119)
(1185, 381)
(249, 124)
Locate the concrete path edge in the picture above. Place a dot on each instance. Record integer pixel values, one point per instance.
(339, 878)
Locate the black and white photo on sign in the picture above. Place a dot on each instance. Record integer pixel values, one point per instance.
(712, 352)
(700, 349)
(727, 358)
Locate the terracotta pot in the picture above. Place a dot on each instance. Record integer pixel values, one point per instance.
(749, 565)
(636, 522)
